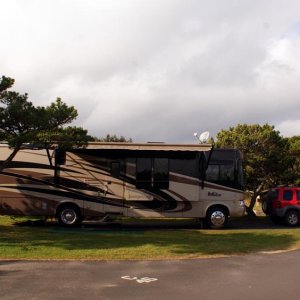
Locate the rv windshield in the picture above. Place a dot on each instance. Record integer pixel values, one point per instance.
(221, 173)
(225, 173)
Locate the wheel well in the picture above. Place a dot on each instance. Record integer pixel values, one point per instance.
(67, 204)
(225, 208)
(296, 209)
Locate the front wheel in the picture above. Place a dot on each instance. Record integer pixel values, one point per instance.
(69, 215)
(217, 218)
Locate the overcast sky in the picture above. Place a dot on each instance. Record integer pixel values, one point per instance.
(158, 70)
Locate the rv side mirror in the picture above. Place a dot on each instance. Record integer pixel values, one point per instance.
(60, 156)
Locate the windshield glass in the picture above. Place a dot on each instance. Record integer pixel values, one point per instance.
(225, 173)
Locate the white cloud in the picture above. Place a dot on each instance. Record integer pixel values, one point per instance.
(289, 128)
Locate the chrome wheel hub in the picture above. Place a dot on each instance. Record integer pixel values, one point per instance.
(218, 218)
(68, 216)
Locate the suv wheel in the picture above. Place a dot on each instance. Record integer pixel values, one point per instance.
(291, 218)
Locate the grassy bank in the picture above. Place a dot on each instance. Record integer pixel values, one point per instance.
(53, 242)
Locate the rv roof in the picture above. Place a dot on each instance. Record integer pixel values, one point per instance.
(150, 146)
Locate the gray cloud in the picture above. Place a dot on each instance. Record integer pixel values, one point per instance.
(158, 70)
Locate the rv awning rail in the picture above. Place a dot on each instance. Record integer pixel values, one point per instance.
(130, 146)
(149, 146)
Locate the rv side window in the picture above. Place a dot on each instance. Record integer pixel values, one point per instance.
(143, 173)
(152, 173)
(161, 173)
(115, 169)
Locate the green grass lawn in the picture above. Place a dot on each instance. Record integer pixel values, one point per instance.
(53, 242)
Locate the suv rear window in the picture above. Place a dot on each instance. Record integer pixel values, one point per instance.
(288, 195)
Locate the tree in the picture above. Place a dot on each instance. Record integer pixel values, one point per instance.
(266, 157)
(294, 152)
(22, 122)
(65, 138)
(114, 138)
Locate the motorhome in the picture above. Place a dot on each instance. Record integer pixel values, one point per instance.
(149, 180)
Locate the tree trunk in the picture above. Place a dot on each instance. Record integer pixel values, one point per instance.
(10, 158)
(249, 209)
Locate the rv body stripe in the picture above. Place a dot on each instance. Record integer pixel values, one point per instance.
(194, 181)
(66, 192)
(186, 202)
(161, 200)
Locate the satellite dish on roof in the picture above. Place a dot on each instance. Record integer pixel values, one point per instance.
(203, 138)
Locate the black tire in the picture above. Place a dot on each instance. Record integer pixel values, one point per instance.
(265, 206)
(277, 220)
(291, 218)
(69, 215)
(217, 218)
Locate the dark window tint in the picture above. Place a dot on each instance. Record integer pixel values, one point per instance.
(161, 173)
(152, 173)
(298, 195)
(115, 169)
(221, 173)
(226, 173)
(288, 195)
(143, 173)
(212, 173)
(60, 156)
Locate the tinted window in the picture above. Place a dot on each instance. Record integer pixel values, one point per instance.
(143, 173)
(161, 173)
(298, 195)
(226, 173)
(115, 169)
(221, 174)
(152, 173)
(288, 195)
(212, 173)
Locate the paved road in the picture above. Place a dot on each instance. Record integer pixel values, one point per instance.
(262, 276)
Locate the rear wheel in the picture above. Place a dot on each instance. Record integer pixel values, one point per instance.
(217, 218)
(69, 215)
(291, 218)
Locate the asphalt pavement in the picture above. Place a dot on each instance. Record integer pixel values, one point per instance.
(260, 276)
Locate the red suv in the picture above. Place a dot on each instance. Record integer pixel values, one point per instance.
(282, 204)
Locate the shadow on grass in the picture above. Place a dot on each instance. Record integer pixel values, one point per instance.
(245, 222)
